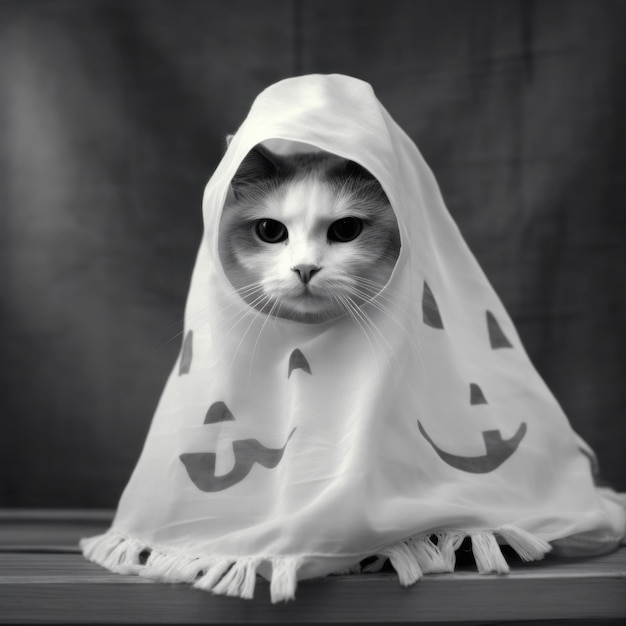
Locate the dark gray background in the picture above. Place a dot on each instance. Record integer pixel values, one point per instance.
(113, 116)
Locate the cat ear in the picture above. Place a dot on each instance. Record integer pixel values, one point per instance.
(369, 185)
(258, 165)
(354, 170)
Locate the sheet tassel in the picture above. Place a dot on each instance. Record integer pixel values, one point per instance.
(284, 579)
(431, 553)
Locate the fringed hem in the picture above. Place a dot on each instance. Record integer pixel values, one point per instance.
(436, 553)
(236, 576)
(229, 576)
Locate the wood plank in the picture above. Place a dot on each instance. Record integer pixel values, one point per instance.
(334, 600)
(65, 587)
(41, 530)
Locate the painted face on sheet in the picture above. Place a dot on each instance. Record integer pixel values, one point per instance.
(498, 449)
(201, 466)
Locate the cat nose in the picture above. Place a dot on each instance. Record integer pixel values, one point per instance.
(305, 272)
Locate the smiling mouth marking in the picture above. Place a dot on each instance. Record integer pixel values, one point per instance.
(201, 465)
(498, 451)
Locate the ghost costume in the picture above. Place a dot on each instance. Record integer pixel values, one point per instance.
(294, 450)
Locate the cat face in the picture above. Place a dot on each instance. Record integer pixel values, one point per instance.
(307, 237)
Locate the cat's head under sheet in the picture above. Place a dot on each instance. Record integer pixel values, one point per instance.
(306, 236)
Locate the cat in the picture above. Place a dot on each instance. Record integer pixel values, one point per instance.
(308, 237)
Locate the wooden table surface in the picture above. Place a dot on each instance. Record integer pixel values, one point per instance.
(44, 578)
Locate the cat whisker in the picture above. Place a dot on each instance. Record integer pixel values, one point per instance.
(362, 322)
(188, 320)
(191, 319)
(378, 289)
(260, 301)
(245, 294)
(370, 295)
(252, 309)
(383, 310)
(248, 310)
(373, 326)
(163, 344)
(248, 294)
(269, 316)
(248, 289)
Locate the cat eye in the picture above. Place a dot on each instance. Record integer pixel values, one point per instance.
(345, 229)
(271, 231)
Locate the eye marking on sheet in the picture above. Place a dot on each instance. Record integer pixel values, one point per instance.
(476, 395)
(297, 361)
(186, 354)
(200, 466)
(497, 338)
(498, 451)
(218, 412)
(430, 311)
